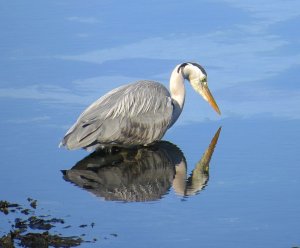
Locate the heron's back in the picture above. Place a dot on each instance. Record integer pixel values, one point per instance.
(133, 114)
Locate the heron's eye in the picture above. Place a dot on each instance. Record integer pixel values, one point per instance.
(203, 80)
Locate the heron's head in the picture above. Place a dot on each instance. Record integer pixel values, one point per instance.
(197, 76)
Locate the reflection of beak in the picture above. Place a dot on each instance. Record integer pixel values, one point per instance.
(199, 177)
(208, 97)
(210, 150)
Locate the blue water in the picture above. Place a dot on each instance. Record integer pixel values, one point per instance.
(57, 57)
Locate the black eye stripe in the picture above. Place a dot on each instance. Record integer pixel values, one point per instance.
(181, 66)
(200, 67)
(194, 64)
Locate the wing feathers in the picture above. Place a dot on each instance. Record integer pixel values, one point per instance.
(133, 114)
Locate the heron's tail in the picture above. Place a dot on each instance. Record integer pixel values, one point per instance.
(64, 142)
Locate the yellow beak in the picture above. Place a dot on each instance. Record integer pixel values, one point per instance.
(205, 92)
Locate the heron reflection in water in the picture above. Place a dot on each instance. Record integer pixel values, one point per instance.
(137, 114)
(141, 174)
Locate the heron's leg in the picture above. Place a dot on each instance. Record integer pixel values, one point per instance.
(112, 149)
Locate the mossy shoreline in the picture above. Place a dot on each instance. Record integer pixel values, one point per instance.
(29, 230)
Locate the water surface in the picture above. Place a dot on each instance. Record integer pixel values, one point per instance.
(58, 57)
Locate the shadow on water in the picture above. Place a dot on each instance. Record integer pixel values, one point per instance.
(142, 174)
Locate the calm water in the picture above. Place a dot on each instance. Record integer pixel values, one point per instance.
(59, 56)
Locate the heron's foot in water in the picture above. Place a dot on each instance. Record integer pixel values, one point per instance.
(111, 149)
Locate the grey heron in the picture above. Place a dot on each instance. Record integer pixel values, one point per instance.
(137, 114)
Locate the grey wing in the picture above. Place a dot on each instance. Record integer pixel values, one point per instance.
(134, 114)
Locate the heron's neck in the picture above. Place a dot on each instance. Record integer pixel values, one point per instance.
(177, 91)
